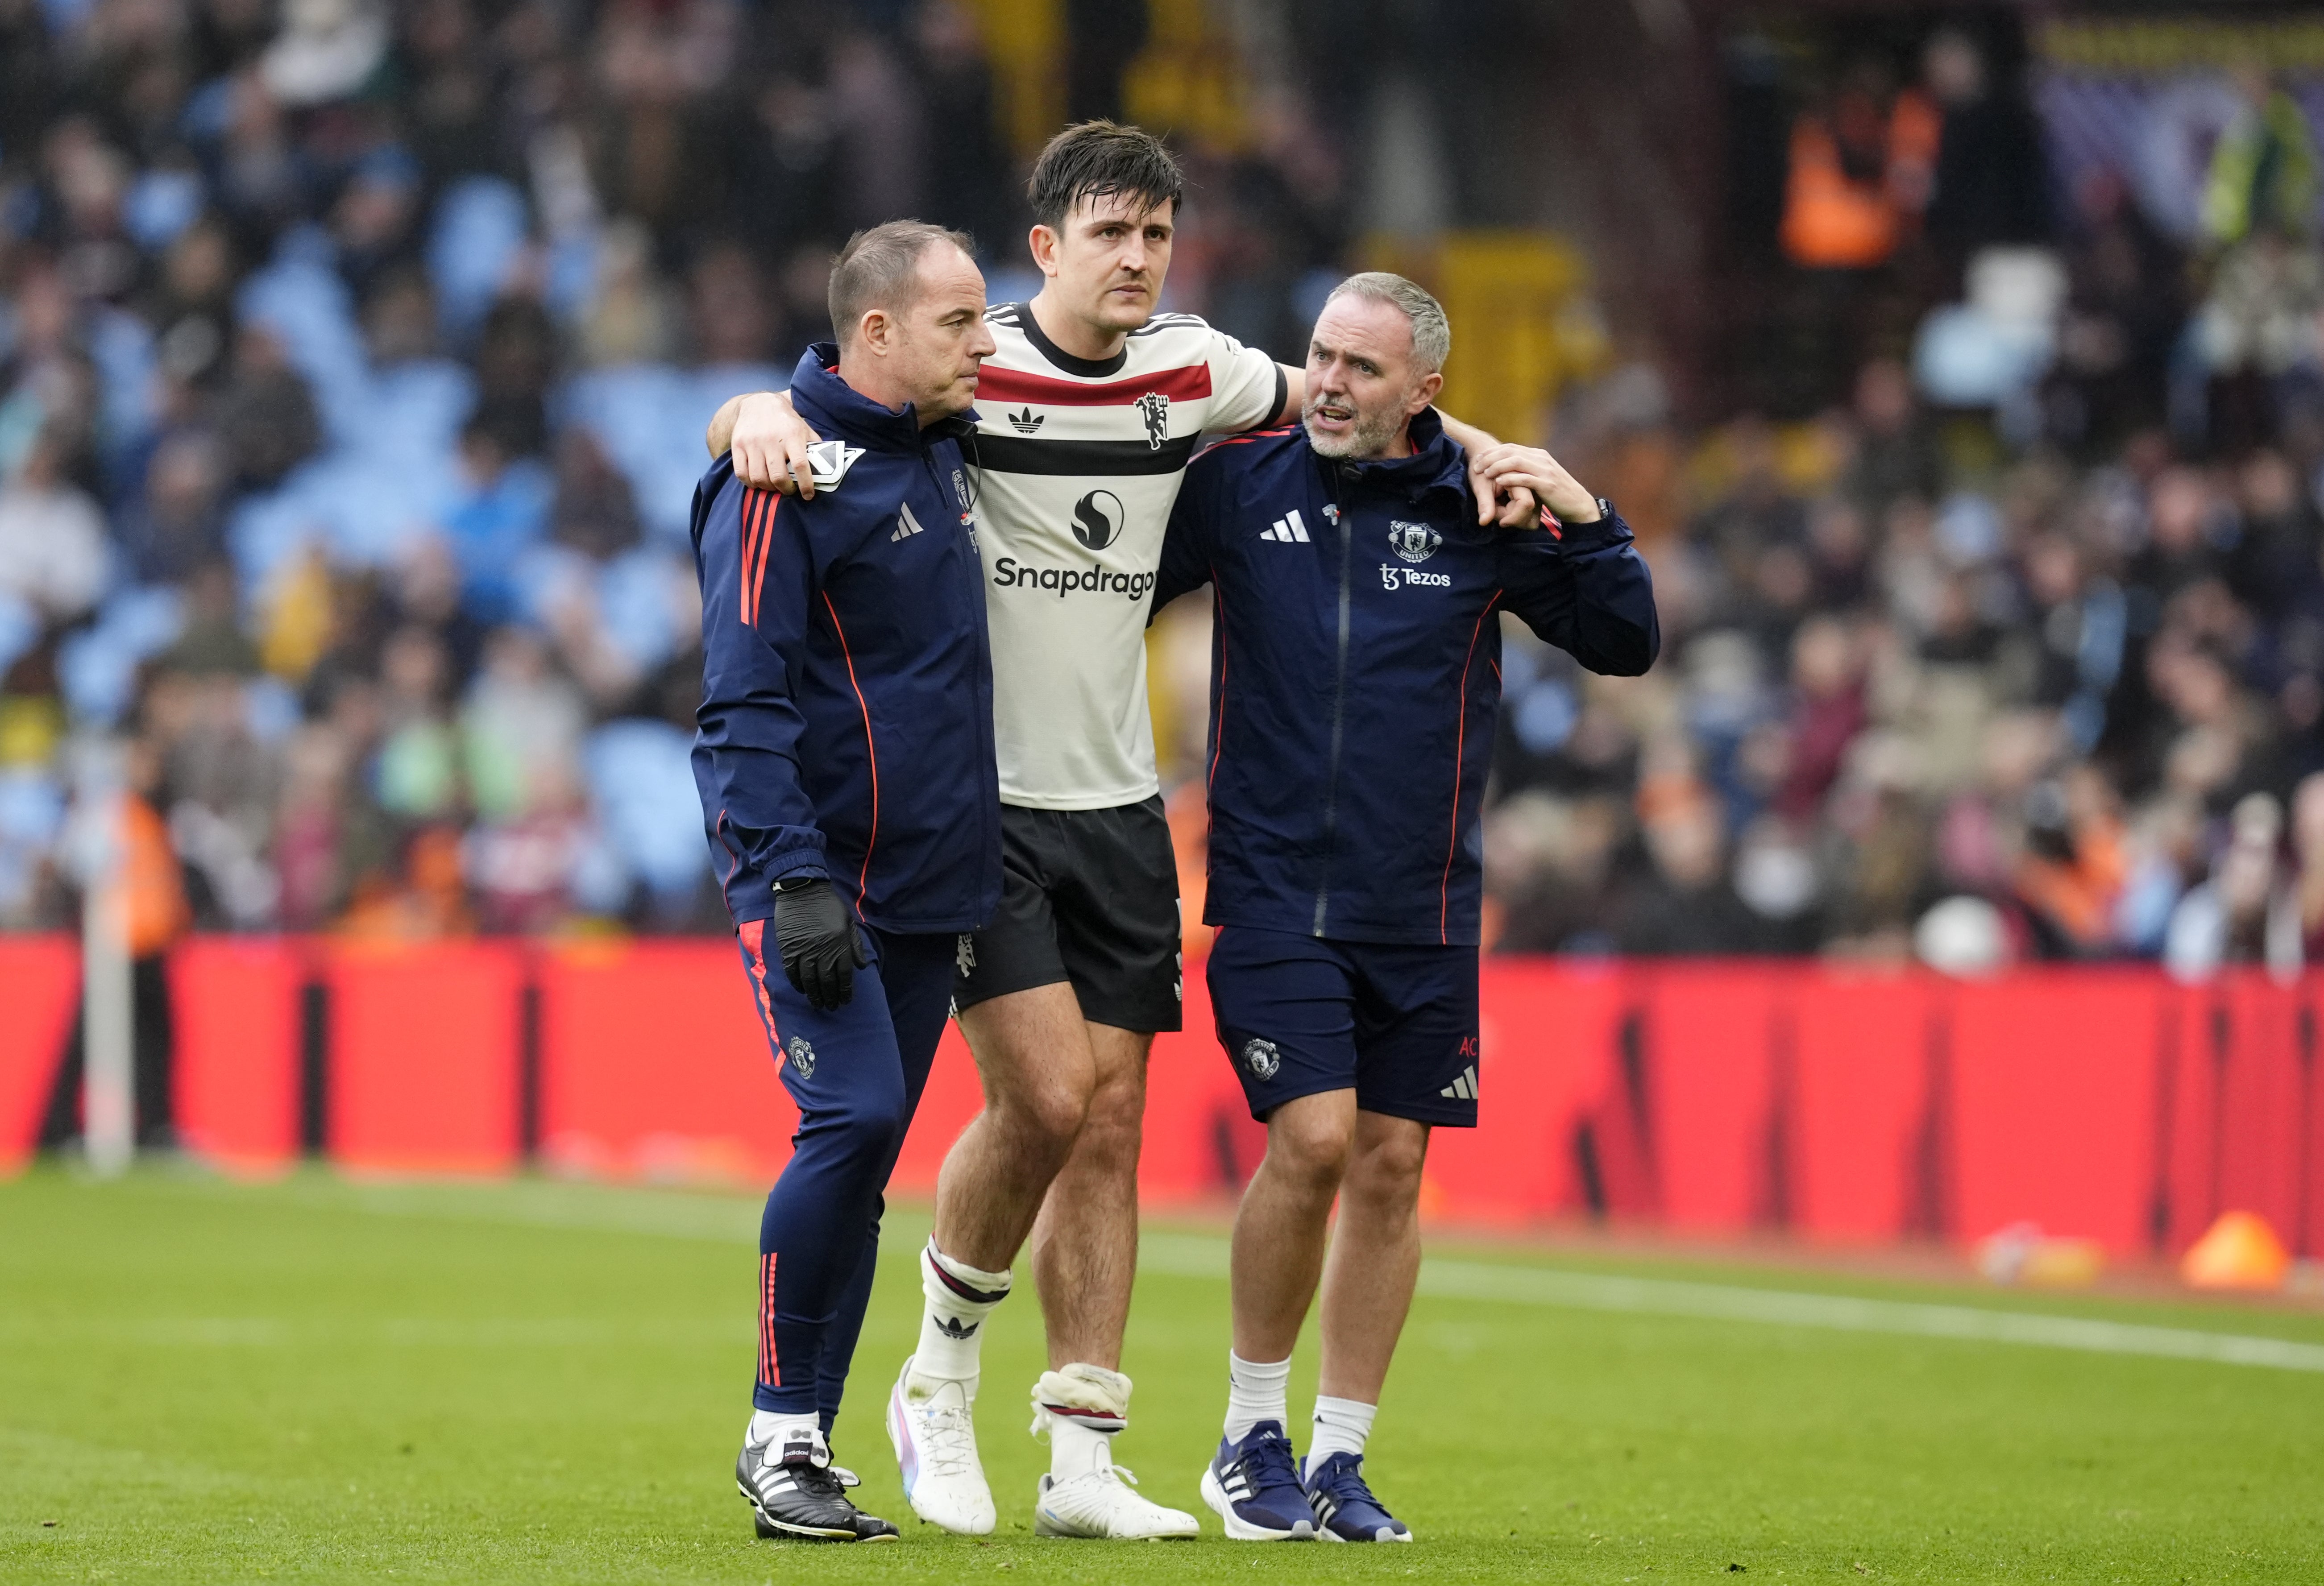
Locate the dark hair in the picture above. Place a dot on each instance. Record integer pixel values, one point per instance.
(1102, 160)
(876, 268)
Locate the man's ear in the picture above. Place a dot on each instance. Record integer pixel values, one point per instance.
(1044, 242)
(875, 330)
(1426, 393)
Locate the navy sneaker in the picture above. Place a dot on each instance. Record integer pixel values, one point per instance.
(1345, 1508)
(1253, 1485)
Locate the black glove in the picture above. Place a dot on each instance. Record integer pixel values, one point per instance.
(814, 931)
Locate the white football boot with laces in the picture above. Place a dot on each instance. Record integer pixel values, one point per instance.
(930, 1422)
(1096, 1501)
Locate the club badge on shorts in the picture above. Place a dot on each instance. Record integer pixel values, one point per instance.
(802, 1056)
(1262, 1059)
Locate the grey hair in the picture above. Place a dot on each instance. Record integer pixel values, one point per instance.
(877, 268)
(1432, 333)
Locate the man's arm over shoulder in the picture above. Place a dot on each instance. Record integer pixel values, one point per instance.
(1584, 588)
(1189, 546)
(754, 561)
(1249, 389)
(768, 440)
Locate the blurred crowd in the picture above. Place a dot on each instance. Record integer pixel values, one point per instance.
(354, 360)
(354, 365)
(2038, 678)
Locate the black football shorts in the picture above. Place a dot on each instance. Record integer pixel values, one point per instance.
(1089, 897)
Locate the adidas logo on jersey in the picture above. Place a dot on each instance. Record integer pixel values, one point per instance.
(1026, 422)
(1288, 530)
(905, 524)
(1463, 1089)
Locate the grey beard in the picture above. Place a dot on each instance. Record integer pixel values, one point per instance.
(1368, 436)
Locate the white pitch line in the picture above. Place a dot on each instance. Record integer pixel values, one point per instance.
(1190, 1256)
(1184, 1255)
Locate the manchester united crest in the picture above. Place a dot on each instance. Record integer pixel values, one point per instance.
(1415, 542)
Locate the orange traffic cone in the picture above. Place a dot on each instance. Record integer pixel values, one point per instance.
(2240, 1250)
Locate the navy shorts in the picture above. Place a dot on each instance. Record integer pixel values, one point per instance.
(1395, 1023)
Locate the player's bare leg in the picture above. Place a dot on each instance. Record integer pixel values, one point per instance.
(1375, 1260)
(1085, 1240)
(1280, 1229)
(1367, 1284)
(1085, 1262)
(1034, 1060)
(1032, 1052)
(1318, 1147)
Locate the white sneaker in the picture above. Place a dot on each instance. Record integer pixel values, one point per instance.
(1096, 1503)
(935, 1436)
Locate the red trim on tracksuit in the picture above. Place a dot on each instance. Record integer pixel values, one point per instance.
(1218, 691)
(1460, 750)
(758, 534)
(1016, 385)
(871, 751)
(753, 933)
(1248, 435)
(771, 1370)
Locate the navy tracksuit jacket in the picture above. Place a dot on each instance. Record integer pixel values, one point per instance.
(1356, 672)
(846, 732)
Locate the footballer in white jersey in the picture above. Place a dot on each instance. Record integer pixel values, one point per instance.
(1078, 464)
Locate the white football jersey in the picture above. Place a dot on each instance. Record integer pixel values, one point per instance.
(1078, 463)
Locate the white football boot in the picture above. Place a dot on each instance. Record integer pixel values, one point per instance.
(1079, 1409)
(935, 1433)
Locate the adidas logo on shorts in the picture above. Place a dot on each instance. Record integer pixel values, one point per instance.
(1463, 1089)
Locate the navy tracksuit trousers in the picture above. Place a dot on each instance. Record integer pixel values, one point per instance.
(856, 1074)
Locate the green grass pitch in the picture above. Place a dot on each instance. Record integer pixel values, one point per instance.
(320, 1380)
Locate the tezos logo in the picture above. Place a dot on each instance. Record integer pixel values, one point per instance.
(1262, 1059)
(802, 1056)
(1155, 408)
(1415, 542)
(1097, 519)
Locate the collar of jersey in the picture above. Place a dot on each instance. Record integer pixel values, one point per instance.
(1436, 463)
(1087, 368)
(837, 410)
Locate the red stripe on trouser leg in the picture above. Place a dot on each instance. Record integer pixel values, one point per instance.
(753, 933)
(770, 1371)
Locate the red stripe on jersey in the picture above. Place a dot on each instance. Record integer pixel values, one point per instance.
(1014, 385)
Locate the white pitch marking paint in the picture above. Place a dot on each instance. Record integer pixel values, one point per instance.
(722, 1219)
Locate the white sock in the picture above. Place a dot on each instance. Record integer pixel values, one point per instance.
(1080, 1407)
(952, 1324)
(1342, 1426)
(1256, 1391)
(779, 1429)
